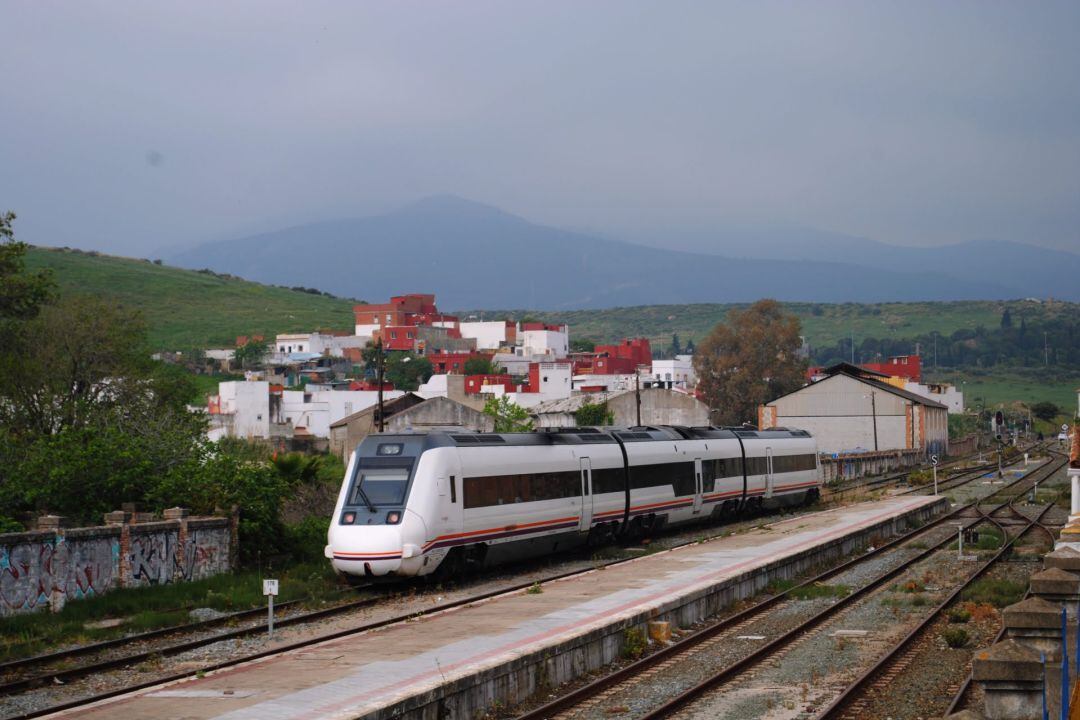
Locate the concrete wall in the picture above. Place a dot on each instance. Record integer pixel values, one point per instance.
(44, 569)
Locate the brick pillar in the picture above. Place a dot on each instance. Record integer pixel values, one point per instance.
(234, 538)
(122, 518)
(180, 516)
(55, 524)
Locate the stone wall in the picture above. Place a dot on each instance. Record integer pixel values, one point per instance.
(47, 567)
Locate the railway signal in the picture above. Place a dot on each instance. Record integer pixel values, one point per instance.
(933, 464)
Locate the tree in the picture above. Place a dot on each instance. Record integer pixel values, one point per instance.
(480, 366)
(1045, 410)
(251, 354)
(80, 357)
(508, 416)
(1006, 319)
(749, 360)
(593, 414)
(689, 347)
(407, 371)
(21, 293)
(582, 345)
(676, 347)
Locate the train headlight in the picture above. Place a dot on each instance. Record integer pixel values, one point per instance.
(393, 517)
(348, 518)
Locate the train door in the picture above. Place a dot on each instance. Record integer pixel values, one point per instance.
(586, 495)
(769, 477)
(698, 485)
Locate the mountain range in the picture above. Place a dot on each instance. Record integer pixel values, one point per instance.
(474, 255)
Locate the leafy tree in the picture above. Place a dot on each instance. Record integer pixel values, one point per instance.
(749, 360)
(593, 414)
(21, 293)
(508, 416)
(582, 345)
(251, 354)
(480, 366)
(80, 356)
(1006, 319)
(676, 346)
(1045, 410)
(689, 348)
(407, 371)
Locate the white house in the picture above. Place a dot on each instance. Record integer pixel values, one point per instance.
(943, 393)
(489, 335)
(317, 411)
(675, 372)
(542, 340)
(318, 343)
(240, 409)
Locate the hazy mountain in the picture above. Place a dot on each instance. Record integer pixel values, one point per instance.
(1028, 270)
(474, 255)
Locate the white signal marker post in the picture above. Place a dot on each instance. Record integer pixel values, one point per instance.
(270, 589)
(933, 463)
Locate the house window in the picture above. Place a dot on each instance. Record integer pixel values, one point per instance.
(409, 336)
(387, 319)
(393, 334)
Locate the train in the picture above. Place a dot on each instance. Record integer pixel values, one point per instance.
(414, 504)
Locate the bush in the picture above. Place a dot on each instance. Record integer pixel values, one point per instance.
(634, 643)
(959, 615)
(955, 637)
(999, 593)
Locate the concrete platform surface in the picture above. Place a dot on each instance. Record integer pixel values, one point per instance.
(411, 667)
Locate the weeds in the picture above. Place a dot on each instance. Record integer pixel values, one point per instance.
(955, 637)
(535, 589)
(998, 593)
(959, 615)
(634, 643)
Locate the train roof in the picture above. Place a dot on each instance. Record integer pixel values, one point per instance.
(591, 435)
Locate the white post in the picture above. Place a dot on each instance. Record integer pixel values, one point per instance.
(270, 620)
(935, 479)
(1075, 509)
(960, 534)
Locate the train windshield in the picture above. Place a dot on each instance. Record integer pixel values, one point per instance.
(381, 486)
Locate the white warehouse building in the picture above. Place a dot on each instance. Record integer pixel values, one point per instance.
(853, 410)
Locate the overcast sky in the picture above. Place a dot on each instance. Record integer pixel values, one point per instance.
(131, 127)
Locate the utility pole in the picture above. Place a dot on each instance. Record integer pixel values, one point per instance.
(873, 411)
(379, 379)
(637, 393)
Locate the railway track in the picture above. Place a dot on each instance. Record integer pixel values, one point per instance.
(851, 704)
(686, 655)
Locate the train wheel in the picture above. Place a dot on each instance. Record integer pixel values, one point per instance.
(812, 496)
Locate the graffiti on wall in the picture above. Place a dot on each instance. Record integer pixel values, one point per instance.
(37, 574)
(150, 558)
(44, 570)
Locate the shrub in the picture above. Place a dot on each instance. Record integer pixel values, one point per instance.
(959, 615)
(634, 642)
(955, 637)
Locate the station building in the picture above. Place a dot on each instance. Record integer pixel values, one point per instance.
(853, 409)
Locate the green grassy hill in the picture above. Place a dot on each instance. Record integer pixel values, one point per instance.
(823, 324)
(188, 309)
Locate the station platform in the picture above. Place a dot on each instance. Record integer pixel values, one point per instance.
(497, 652)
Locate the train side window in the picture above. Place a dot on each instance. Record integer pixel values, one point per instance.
(453, 489)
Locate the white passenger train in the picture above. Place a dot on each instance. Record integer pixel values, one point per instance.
(414, 503)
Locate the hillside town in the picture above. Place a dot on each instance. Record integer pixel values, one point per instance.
(321, 390)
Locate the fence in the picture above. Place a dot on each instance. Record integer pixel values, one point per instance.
(967, 446)
(857, 465)
(47, 567)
